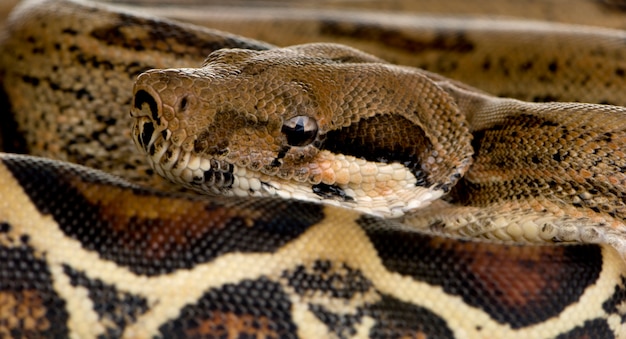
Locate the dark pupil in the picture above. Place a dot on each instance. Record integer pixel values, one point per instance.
(299, 125)
(297, 135)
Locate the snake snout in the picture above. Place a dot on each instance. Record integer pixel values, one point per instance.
(157, 106)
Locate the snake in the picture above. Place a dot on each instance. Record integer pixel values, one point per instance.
(162, 179)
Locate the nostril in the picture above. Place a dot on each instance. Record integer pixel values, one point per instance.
(142, 97)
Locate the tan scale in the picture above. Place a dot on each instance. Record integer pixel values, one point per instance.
(506, 169)
(233, 112)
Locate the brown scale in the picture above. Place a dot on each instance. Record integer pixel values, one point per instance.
(571, 155)
(242, 100)
(84, 66)
(519, 286)
(25, 59)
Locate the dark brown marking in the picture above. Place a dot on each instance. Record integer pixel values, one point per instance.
(31, 80)
(553, 66)
(526, 66)
(167, 37)
(331, 279)
(591, 329)
(222, 324)
(69, 31)
(142, 97)
(155, 233)
(535, 167)
(612, 5)
(516, 285)
(5, 227)
(386, 139)
(391, 38)
(341, 325)
(215, 139)
(31, 307)
(93, 61)
(11, 140)
(393, 319)
(116, 309)
(229, 312)
(331, 192)
(397, 319)
(615, 304)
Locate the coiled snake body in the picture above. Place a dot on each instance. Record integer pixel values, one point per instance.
(87, 254)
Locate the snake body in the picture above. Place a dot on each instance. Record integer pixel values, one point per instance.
(87, 254)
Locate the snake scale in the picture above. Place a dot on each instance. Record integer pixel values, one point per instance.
(94, 243)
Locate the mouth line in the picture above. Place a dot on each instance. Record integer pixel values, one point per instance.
(190, 170)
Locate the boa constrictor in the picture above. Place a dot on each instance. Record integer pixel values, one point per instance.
(86, 254)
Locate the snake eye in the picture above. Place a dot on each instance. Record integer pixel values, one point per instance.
(300, 130)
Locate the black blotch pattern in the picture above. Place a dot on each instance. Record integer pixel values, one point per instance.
(342, 282)
(529, 121)
(544, 153)
(270, 307)
(395, 39)
(449, 264)
(120, 309)
(89, 60)
(208, 230)
(146, 134)
(597, 328)
(11, 140)
(22, 275)
(617, 300)
(342, 325)
(69, 31)
(393, 319)
(83, 94)
(198, 41)
(331, 192)
(5, 227)
(398, 319)
(278, 161)
(142, 97)
(218, 179)
(31, 80)
(385, 139)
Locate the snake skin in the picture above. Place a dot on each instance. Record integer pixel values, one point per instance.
(86, 254)
(110, 259)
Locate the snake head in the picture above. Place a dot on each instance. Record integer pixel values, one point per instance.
(318, 122)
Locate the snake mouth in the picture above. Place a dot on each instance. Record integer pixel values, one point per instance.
(152, 136)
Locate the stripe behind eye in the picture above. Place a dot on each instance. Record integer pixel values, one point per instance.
(386, 139)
